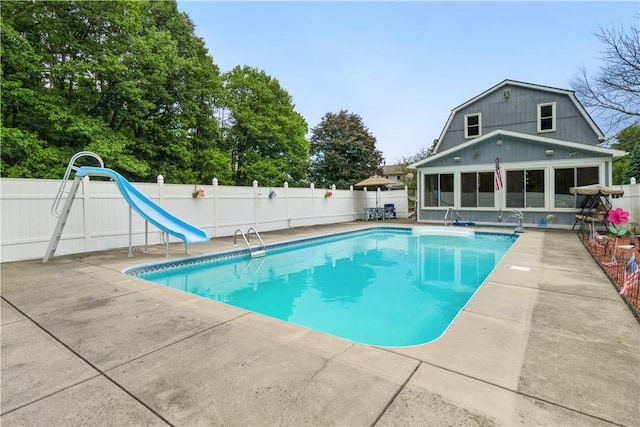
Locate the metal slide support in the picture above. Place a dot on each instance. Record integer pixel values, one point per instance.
(62, 220)
(130, 255)
(146, 236)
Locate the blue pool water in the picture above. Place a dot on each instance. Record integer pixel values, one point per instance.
(382, 286)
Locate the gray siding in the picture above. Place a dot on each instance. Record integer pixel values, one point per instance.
(513, 121)
(511, 150)
(519, 114)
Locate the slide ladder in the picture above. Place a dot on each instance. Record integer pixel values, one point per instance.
(255, 251)
(67, 194)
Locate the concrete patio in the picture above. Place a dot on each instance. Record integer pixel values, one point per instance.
(549, 342)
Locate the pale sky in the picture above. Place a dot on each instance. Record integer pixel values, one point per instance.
(403, 66)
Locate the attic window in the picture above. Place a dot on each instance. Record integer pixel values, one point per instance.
(547, 117)
(472, 125)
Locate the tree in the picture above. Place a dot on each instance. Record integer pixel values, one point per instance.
(264, 135)
(633, 169)
(126, 79)
(614, 94)
(626, 140)
(343, 151)
(408, 176)
(423, 153)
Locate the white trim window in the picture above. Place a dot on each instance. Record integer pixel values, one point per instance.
(565, 178)
(525, 188)
(438, 190)
(547, 117)
(472, 125)
(477, 190)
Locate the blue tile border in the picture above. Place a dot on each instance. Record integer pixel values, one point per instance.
(142, 269)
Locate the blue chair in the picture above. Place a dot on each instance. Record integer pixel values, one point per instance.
(389, 210)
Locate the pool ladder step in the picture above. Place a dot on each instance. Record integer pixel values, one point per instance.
(255, 251)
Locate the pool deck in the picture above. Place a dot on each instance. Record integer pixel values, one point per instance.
(545, 341)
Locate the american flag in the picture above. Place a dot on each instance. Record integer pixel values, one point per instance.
(498, 174)
(631, 275)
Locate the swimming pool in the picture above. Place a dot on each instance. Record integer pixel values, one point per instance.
(383, 286)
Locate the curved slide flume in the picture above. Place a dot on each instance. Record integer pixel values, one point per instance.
(148, 209)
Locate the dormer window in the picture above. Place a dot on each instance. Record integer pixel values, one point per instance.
(472, 125)
(547, 117)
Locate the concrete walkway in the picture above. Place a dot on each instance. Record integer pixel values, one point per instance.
(545, 341)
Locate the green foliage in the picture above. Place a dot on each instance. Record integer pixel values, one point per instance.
(343, 151)
(126, 79)
(633, 169)
(24, 155)
(212, 163)
(412, 184)
(423, 153)
(263, 134)
(619, 167)
(627, 140)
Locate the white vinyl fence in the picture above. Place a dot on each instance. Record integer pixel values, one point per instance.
(99, 217)
(630, 202)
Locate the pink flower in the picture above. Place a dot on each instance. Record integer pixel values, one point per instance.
(618, 216)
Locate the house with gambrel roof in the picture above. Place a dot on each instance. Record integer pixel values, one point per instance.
(515, 147)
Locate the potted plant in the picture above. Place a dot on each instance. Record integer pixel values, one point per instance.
(197, 192)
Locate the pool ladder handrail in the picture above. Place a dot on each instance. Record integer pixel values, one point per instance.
(253, 251)
(446, 215)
